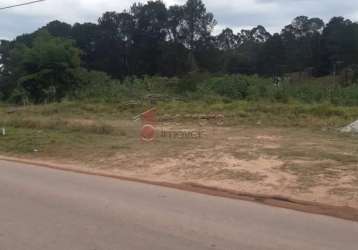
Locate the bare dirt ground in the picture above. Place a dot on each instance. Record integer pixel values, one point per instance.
(298, 163)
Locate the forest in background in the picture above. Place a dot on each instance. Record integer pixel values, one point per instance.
(154, 48)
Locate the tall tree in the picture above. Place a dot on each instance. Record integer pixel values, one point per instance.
(302, 42)
(175, 22)
(5, 48)
(227, 40)
(86, 36)
(246, 57)
(115, 38)
(150, 36)
(272, 57)
(340, 45)
(197, 24)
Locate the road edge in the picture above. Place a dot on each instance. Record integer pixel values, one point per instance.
(342, 212)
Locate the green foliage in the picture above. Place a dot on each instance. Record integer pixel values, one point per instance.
(45, 71)
(97, 86)
(190, 82)
(19, 95)
(233, 87)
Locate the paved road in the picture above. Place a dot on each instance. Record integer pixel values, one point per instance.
(44, 209)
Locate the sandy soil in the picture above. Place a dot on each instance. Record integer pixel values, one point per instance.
(303, 165)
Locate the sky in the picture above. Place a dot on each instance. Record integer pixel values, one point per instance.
(236, 14)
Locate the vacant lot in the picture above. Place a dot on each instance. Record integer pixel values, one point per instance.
(283, 150)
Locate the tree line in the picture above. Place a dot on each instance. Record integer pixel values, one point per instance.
(153, 39)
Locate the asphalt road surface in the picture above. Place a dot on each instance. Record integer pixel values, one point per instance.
(45, 209)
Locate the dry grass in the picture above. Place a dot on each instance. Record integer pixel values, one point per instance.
(96, 127)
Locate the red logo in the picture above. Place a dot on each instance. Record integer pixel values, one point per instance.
(148, 125)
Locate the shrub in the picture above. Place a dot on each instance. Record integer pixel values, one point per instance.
(234, 87)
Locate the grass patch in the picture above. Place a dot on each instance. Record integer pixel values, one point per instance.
(235, 112)
(58, 124)
(66, 144)
(266, 113)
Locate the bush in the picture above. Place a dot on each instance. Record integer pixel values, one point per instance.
(232, 87)
(99, 87)
(190, 82)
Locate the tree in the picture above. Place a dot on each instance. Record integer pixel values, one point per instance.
(5, 47)
(45, 71)
(340, 45)
(86, 36)
(149, 36)
(227, 40)
(114, 42)
(132, 42)
(301, 39)
(197, 23)
(272, 57)
(246, 58)
(257, 35)
(59, 29)
(303, 26)
(175, 22)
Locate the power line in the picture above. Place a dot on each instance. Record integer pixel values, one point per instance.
(21, 4)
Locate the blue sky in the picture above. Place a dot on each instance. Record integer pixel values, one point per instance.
(237, 14)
